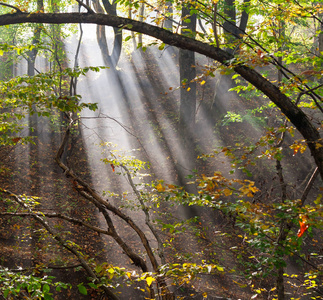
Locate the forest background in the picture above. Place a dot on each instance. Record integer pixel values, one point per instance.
(175, 154)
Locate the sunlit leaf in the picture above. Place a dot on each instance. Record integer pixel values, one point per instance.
(160, 188)
(150, 280)
(221, 269)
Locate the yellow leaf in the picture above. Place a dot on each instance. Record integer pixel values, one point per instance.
(250, 194)
(188, 89)
(318, 199)
(220, 268)
(149, 280)
(203, 82)
(160, 188)
(227, 192)
(210, 186)
(129, 275)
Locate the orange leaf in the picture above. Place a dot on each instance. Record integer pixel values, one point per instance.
(303, 226)
(112, 166)
(160, 188)
(16, 139)
(227, 192)
(260, 53)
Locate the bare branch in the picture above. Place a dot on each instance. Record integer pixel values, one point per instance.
(215, 30)
(309, 91)
(89, 9)
(146, 211)
(14, 7)
(48, 267)
(309, 186)
(87, 192)
(59, 216)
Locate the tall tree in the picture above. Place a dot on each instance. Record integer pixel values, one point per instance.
(188, 85)
(113, 58)
(187, 109)
(233, 34)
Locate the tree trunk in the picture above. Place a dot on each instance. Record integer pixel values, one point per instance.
(188, 86)
(111, 9)
(280, 284)
(187, 110)
(233, 33)
(320, 38)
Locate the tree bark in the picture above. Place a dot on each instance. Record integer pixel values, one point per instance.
(188, 86)
(111, 9)
(297, 117)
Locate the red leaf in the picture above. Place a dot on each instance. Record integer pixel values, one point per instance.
(112, 166)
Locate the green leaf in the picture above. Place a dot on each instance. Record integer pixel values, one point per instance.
(46, 288)
(82, 289)
(162, 46)
(92, 285)
(48, 297)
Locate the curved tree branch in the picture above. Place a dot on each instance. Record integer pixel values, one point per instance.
(89, 9)
(14, 7)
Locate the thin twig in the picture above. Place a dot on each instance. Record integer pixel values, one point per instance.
(309, 186)
(59, 216)
(127, 130)
(146, 212)
(48, 267)
(215, 30)
(14, 7)
(307, 91)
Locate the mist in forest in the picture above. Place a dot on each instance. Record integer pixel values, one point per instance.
(139, 107)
